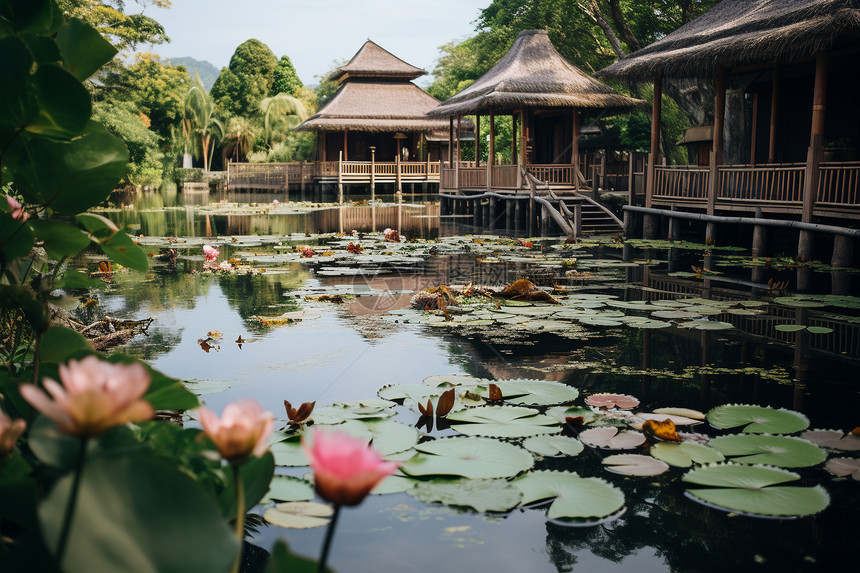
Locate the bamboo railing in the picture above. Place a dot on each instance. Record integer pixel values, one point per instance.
(839, 185)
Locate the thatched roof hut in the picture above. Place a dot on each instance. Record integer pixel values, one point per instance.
(376, 95)
(744, 32)
(533, 75)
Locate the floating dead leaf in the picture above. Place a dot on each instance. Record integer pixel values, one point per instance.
(300, 414)
(664, 430)
(354, 248)
(299, 515)
(214, 334)
(635, 465)
(833, 439)
(495, 392)
(445, 403)
(609, 438)
(525, 290)
(842, 467)
(605, 400)
(207, 344)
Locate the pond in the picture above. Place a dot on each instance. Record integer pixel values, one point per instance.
(604, 337)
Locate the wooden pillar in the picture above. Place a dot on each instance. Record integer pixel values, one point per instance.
(398, 181)
(477, 140)
(754, 127)
(717, 150)
(774, 108)
(323, 136)
(450, 142)
(340, 177)
(815, 153)
(524, 138)
(574, 151)
(513, 139)
(654, 155)
(457, 156)
(345, 153)
(372, 174)
(631, 180)
(491, 151)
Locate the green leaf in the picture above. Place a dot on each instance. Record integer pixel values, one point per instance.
(139, 514)
(503, 422)
(819, 329)
(757, 419)
(782, 451)
(553, 446)
(635, 465)
(121, 249)
(164, 393)
(43, 48)
(683, 455)
(256, 474)
(480, 495)
(83, 170)
(51, 446)
(299, 515)
(64, 105)
(748, 489)
(19, 296)
(72, 279)
(59, 343)
(19, 493)
(283, 561)
(536, 392)
(16, 236)
(476, 458)
(574, 496)
(385, 436)
(789, 327)
(288, 488)
(289, 453)
(26, 16)
(84, 50)
(17, 101)
(60, 239)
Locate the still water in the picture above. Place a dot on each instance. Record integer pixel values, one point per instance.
(351, 350)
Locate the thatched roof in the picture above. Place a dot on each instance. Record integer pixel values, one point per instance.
(372, 61)
(377, 106)
(745, 32)
(533, 75)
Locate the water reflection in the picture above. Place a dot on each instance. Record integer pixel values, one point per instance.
(349, 352)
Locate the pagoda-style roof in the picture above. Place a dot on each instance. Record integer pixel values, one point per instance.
(745, 32)
(373, 61)
(377, 106)
(533, 75)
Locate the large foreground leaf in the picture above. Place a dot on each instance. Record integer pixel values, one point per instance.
(139, 514)
(476, 458)
(575, 496)
(753, 490)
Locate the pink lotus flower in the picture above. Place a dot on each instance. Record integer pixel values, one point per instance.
(225, 266)
(345, 468)
(241, 432)
(94, 396)
(17, 209)
(210, 252)
(9, 432)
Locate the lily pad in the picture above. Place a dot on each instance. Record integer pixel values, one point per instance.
(686, 412)
(562, 413)
(536, 392)
(833, 439)
(503, 422)
(705, 324)
(394, 484)
(635, 465)
(553, 446)
(573, 496)
(288, 488)
(842, 467)
(757, 419)
(685, 454)
(606, 400)
(386, 436)
(299, 515)
(480, 495)
(474, 458)
(753, 490)
(609, 438)
(782, 451)
(289, 453)
(789, 327)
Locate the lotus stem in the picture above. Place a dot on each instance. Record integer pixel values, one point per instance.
(240, 515)
(329, 534)
(73, 499)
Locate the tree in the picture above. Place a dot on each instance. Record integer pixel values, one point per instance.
(239, 138)
(242, 85)
(123, 119)
(157, 89)
(200, 111)
(281, 114)
(285, 79)
(326, 88)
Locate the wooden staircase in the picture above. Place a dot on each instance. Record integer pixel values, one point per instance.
(575, 214)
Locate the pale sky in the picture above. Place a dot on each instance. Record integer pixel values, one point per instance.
(315, 33)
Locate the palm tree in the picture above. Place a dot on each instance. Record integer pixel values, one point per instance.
(239, 138)
(200, 110)
(281, 113)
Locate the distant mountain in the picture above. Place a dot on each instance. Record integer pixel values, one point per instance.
(208, 72)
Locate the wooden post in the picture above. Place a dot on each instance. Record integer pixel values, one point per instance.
(451, 142)
(631, 180)
(574, 151)
(373, 187)
(577, 219)
(345, 153)
(774, 108)
(654, 155)
(477, 140)
(754, 129)
(340, 177)
(524, 138)
(513, 138)
(397, 179)
(531, 209)
(717, 151)
(302, 179)
(544, 221)
(457, 163)
(759, 236)
(491, 151)
(815, 153)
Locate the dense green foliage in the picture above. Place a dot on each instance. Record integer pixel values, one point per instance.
(248, 79)
(285, 80)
